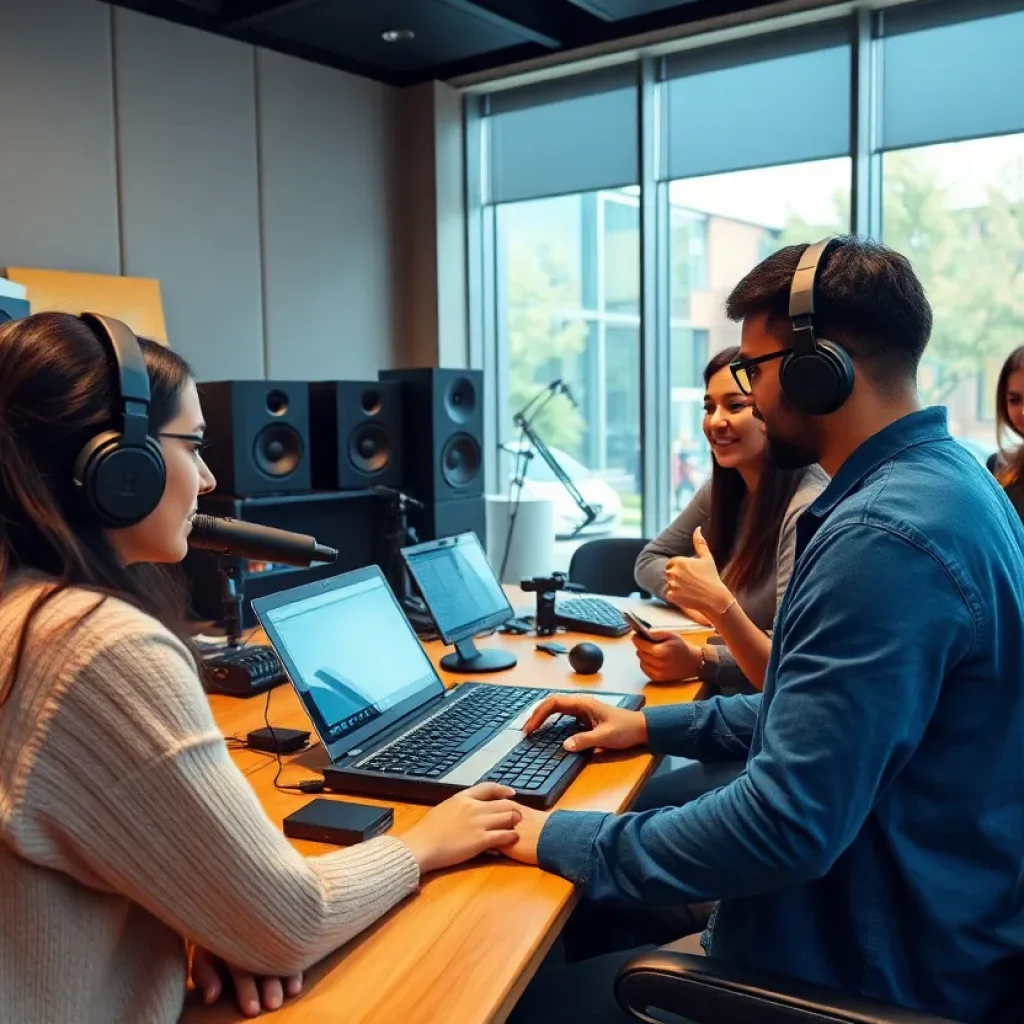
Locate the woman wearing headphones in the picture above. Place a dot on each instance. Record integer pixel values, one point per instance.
(727, 558)
(126, 831)
(1007, 465)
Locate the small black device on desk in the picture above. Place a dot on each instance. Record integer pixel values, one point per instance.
(335, 821)
(241, 671)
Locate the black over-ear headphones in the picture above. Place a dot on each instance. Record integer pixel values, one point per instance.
(122, 472)
(817, 375)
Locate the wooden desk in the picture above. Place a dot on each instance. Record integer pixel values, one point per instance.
(462, 950)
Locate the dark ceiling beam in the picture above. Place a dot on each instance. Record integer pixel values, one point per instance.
(236, 14)
(551, 23)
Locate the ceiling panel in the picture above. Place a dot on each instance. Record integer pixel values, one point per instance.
(450, 37)
(444, 33)
(617, 10)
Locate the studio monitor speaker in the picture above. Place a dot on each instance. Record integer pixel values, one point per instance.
(355, 429)
(258, 434)
(442, 432)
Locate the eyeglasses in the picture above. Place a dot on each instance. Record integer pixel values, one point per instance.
(741, 369)
(197, 439)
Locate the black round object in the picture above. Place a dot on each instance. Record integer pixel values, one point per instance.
(586, 659)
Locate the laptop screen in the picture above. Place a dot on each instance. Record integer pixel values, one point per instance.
(458, 585)
(354, 660)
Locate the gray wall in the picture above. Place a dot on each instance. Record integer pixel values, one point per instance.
(259, 189)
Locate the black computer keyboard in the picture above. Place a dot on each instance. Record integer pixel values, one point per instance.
(434, 748)
(590, 615)
(532, 762)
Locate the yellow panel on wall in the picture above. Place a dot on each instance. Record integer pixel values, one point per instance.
(135, 300)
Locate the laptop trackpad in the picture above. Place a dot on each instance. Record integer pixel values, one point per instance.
(481, 762)
(484, 759)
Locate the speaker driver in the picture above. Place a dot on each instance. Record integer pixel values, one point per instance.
(277, 450)
(369, 448)
(460, 460)
(460, 399)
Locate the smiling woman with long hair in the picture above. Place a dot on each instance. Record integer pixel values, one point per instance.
(1007, 465)
(127, 834)
(727, 558)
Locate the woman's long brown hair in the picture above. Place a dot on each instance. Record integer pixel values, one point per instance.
(744, 538)
(1011, 462)
(58, 389)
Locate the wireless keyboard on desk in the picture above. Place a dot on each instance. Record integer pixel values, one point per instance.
(590, 615)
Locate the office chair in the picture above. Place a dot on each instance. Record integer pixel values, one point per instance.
(668, 985)
(607, 566)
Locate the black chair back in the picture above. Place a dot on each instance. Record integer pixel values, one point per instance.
(607, 566)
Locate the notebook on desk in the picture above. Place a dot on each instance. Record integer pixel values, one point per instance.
(389, 727)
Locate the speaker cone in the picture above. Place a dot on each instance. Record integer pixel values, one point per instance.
(460, 460)
(460, 399)
(369, 448)
(277, 450)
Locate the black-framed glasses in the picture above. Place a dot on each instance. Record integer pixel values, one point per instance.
(741, 368)
(197, 439)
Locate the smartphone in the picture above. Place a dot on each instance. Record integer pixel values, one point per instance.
(642, 628)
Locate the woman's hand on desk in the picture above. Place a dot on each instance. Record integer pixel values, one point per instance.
(669, 660)
(608, 727)
(479, 819)
(694, 583)
(253, 994)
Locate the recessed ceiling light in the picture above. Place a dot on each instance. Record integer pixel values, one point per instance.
(398, 35)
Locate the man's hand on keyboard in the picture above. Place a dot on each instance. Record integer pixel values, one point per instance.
(608, 727)
(479, 819)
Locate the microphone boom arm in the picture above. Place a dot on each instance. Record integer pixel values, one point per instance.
(526, 426)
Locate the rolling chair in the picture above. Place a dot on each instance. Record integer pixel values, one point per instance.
(606, 566)
(666, 985)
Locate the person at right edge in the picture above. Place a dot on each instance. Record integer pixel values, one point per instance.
(875, 843)
(1007, 464)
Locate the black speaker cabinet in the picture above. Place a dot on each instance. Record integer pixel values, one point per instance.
(258, 432)
(12, 309)
(442, 433)
(355, 430)
(354, 522)
(448, 518)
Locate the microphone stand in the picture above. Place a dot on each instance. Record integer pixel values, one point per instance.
(231, 599)
(525, 424)
(402, 536)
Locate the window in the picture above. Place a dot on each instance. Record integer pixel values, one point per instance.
(957, 211)
(742, 216)
(569, 298)
(737, 148)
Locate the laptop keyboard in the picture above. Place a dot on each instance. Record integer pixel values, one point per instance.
(532, 762)
(441, 743)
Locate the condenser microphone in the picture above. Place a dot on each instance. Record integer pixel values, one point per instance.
(237, 539)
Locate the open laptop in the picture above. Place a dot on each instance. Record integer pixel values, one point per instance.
(387, 723)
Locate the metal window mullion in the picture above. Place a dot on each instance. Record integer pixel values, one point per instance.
(865, 125)
(654, 347)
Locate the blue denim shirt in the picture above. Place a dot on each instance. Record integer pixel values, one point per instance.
(875, 842)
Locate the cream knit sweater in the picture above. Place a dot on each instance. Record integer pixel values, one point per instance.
(125, 826)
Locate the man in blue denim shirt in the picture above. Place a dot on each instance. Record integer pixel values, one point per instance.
(876, 841)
